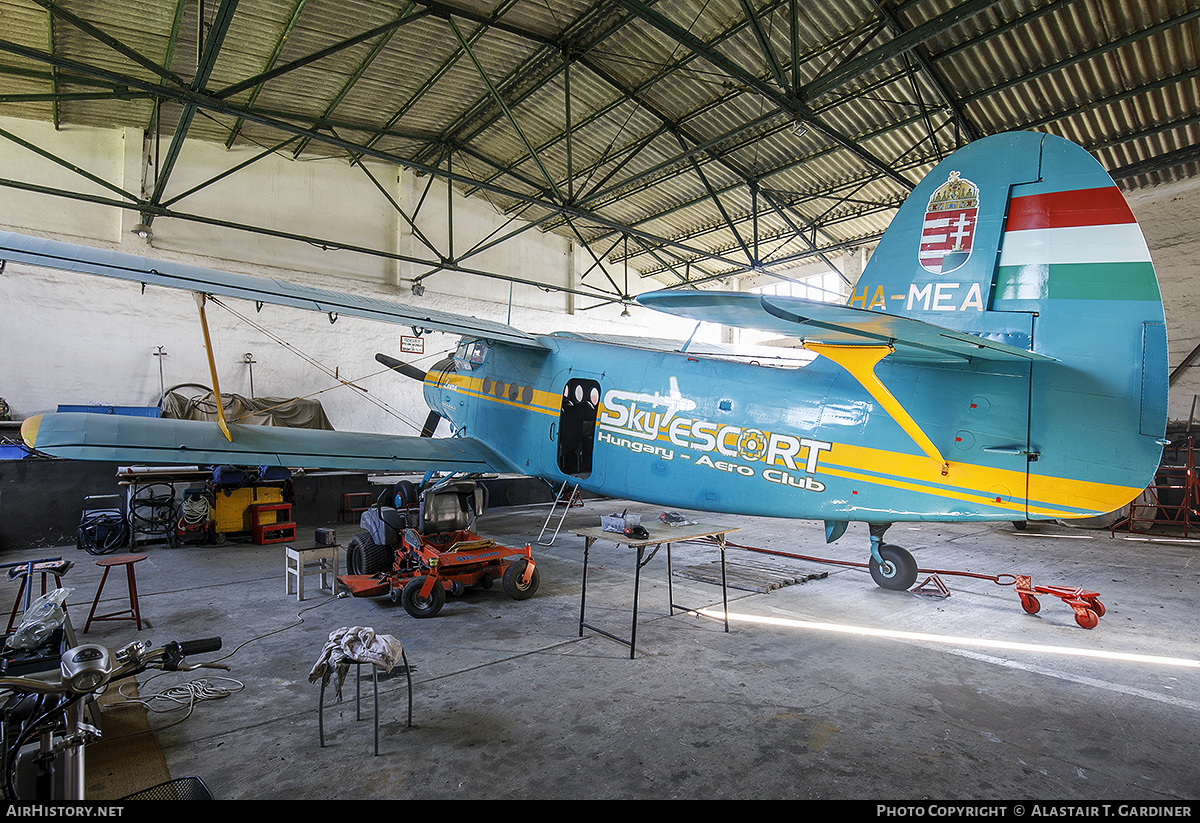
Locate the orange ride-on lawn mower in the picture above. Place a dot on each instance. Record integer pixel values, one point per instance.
(422, 548)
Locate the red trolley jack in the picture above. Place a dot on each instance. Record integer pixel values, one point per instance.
(1087, 605)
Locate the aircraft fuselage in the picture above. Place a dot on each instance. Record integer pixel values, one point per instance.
(737, 437)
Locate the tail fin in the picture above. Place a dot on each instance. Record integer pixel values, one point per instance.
(1016, 256)
(1006, 224)
(1026, 234)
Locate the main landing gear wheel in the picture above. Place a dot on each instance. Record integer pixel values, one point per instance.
(419, 606)
(512, 581)
(897, 572)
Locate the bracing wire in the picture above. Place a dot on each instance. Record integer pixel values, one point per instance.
(326, 370)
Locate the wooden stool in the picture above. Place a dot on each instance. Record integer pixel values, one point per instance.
(132, 613)
(322, 560)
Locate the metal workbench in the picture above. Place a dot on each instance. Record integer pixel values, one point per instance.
(659, 535)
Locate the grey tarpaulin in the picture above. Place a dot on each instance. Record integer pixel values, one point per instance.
(296, 413)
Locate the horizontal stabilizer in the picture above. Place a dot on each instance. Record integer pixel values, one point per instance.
(817, 322)
(54, 254)
(154, 440)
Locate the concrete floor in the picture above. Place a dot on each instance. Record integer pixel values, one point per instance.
(509, 701)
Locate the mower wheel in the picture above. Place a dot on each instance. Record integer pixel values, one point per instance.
(419, 606)
(365, 556)
(354, 553)
(512, 581)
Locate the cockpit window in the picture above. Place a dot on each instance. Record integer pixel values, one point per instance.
(470, 355)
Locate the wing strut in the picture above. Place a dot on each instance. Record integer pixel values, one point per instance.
(212, 367)
(860, 361)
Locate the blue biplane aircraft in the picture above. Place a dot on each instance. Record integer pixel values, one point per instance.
(1003, 357)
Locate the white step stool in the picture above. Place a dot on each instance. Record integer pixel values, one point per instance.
(299, 563)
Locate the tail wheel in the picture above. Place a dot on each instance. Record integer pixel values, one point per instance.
(419, 606)
(897, 572)
(513, 586)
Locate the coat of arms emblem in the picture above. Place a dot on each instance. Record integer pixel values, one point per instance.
(949, 227)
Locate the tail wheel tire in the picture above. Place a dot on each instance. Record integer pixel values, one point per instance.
(419, 606)
(897, 572)
(512, 581)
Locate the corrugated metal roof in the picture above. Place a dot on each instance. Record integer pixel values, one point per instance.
(712, 141)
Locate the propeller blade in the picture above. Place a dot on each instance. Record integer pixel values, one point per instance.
(404, 368)
(431, 423)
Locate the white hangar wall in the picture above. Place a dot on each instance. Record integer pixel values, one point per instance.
(1170, 218)
(75, 339)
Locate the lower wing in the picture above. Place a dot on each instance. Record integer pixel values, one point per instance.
(128, 439)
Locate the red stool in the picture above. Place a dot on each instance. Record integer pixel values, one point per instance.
(132, 613)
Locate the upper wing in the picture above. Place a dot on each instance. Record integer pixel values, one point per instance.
(814, 321)
(69, 257)
(121, 438)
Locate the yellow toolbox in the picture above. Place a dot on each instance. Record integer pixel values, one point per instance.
(231, 509)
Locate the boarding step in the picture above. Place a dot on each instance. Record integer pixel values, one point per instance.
(566, 500)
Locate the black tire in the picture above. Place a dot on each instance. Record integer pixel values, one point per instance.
(418, 606)
(354, 553)
(898, 571)
(378, 559)
(365, 556)
(512, 581)
(405, 494)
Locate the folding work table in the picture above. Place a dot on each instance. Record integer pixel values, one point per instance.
(659, 534)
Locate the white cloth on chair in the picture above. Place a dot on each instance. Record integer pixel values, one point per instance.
(356, 644)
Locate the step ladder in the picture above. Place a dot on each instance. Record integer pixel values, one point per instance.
(566, 500)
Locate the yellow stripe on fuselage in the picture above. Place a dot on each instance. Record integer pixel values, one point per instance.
(1002, 489)
(1047, 496)
(543, 402)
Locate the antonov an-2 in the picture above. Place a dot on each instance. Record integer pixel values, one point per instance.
(1003, 357)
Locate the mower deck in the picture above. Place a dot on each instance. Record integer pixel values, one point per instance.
(427, 567)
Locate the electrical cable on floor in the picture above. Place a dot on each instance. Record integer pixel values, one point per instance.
(200, 689)
(299, 621)
(187, 694)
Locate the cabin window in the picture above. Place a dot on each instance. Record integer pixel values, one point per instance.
(577, 426)
(470, 355)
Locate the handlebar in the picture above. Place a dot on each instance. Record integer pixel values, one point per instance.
(208, 644)
(85, 668)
